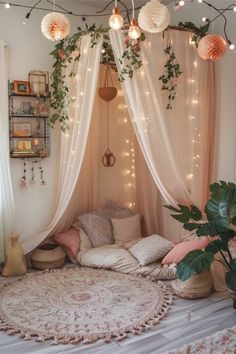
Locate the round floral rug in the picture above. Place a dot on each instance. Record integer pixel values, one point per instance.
(81, 304)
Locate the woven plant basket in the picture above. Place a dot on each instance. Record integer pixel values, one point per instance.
(198, 286)
(48, 256)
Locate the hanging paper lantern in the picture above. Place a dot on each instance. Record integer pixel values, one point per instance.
(212, 47)
(154, 17)
(55, 26)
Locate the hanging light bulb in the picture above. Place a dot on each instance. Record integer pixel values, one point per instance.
(134, 30)
(199, 1)
(7, 5)
(116, 21)
(231, 45)
(181, 3)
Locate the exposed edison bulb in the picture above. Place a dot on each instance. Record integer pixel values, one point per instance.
(231, 46)
(200, 1)
(181, 3)
(7, 5)
(134, 30)
(116, 20)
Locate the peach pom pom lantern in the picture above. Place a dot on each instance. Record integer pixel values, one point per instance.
(55, 26)
(212, 47)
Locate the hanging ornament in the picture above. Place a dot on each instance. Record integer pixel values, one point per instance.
(154, 17)
(32, 181)
(108, 159)
(22, 182)
(212, 47)
(55, 26)
(43, 182)
(107, 92)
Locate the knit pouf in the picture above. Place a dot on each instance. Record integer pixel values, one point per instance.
(199, 285)
(48, 256)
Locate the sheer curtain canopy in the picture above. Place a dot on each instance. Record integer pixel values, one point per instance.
(6, 192)
(176, 143)
(82, 90)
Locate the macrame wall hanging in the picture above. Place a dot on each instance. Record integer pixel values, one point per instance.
(25, 181)
(108, 93)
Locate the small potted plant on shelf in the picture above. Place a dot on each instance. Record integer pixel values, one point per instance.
(218, 224)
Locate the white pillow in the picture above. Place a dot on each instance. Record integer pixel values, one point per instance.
(151, 249)
(126, 229)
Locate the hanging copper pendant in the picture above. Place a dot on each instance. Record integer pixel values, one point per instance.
(108, 159)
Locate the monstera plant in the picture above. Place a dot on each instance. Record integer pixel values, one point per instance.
(218, 223)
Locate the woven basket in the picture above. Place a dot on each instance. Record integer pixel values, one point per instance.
(48, 256)
(199, 285)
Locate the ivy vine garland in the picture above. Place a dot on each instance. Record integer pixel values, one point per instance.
(68, 50)
(170, 78)
(131, 59)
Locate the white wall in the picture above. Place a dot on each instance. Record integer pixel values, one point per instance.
(28, 50)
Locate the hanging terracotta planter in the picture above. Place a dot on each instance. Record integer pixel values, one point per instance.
(107, 93)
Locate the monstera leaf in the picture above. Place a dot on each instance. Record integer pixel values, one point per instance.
(221, 207)
(196, 261)
(230, 279)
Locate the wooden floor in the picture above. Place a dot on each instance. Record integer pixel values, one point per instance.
(187, 321)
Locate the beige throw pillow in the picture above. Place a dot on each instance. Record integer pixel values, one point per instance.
(126, 229)
(151, 249)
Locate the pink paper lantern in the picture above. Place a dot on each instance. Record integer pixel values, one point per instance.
(55, 26)
(212, 47)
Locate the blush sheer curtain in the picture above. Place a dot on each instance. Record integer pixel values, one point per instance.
(128, 183)
(6, 191)
(177, 145)
(82, 89)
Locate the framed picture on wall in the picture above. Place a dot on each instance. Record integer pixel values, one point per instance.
(24, 145)
(22, 87)
(22, 129)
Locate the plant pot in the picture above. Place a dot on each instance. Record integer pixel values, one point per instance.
(48, 256)
(233, 294)
(198, 286)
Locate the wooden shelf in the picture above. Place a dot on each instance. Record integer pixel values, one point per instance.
(30, 137)
(26, 116)
(27, 156)
(27, 95)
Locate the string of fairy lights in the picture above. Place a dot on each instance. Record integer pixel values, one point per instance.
(116, 19)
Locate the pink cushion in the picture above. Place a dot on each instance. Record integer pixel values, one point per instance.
(183, 248)
(70, 240)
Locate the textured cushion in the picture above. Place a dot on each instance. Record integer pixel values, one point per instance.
(110, 257)
(183, 248)
(70, 239)
(150, 249)
(97, 227)
(126, 229)
(116, 211)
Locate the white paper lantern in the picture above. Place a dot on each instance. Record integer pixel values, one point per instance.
(154, 17)
(55, 26)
